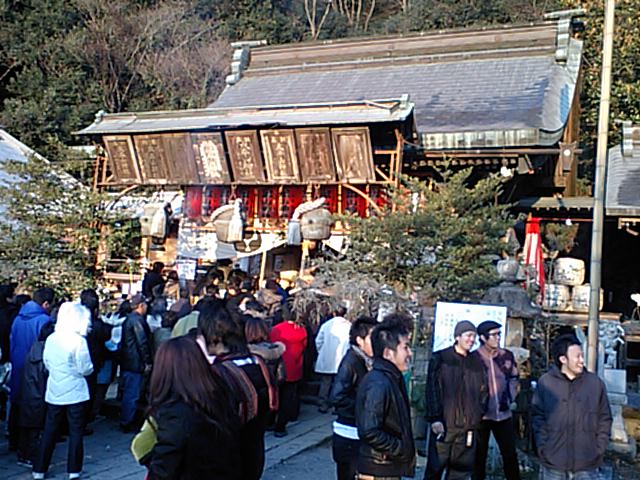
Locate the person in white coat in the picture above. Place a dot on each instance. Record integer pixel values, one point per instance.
(66, 357)
(332, 343)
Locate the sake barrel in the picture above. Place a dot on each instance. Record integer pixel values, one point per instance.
(569, 271)
(556, 297)
(580, 298)
(316, 224)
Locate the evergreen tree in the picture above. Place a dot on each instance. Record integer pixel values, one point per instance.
(50, 229)
(438, 239)
(625, 81)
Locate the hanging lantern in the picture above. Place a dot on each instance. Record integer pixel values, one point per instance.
(316, 224)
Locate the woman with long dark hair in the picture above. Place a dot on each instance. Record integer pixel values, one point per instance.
(248, 380)
(196, 422)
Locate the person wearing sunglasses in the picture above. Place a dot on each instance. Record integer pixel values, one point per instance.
(502, 379)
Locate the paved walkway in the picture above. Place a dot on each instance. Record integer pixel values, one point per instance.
(107, 455)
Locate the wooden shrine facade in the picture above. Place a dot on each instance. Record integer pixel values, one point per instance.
(343, 119)
(271, 159)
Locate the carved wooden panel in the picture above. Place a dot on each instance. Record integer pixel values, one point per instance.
(179, 158)
(152, 157)
(122, 159)
(352, 147)
(208, 151)
(279, 147)
(244, 153)
(315, 155)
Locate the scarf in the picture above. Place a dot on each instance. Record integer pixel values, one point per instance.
(368, 361)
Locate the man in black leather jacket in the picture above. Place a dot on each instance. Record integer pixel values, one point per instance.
(135, 360)
(354, 366)
(382, 407)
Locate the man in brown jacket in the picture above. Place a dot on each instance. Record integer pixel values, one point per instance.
(502, 379)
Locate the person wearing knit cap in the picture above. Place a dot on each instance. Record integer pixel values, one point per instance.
(463, 327)
(456, 397)
(502, 375)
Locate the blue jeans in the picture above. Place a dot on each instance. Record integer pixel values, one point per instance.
(551, 474)
(131, 385)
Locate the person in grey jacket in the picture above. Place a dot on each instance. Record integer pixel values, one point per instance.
(571, 416)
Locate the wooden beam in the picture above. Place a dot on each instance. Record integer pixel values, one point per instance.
(363, 195)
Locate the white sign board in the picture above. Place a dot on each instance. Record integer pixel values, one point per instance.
(449, 314)
(130, 289)
(186, 269)
(196, 242)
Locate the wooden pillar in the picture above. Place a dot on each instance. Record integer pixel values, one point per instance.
(263, 266)
(305, 255)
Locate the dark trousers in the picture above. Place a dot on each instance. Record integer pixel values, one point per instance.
(326, 380)
(345, 454)
(131, 391)
(99, 394)
(289, 405)
(75, 414)
(505, 436)
(451, 455)
(29, 443)
(14, 425)
(252, 441)
(547, 473)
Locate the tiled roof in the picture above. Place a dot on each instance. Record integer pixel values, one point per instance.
(490, 88)
(623, 176)
(13, 150)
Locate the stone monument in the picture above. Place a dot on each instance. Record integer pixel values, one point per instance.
(610, 335)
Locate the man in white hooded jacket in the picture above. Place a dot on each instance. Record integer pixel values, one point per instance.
(66, 356)
(332, 343)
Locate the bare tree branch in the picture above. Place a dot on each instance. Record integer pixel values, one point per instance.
(369, 15)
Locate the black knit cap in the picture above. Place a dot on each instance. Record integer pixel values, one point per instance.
(463, 327)
(485, 327)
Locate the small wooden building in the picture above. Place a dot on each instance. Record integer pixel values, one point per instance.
(342, 119)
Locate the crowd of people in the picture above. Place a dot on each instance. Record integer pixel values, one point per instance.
(204, 383)
(470, 395)
(228, 368)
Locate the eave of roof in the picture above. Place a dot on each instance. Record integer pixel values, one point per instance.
(623, 177)
(333, 113)
(556, 203)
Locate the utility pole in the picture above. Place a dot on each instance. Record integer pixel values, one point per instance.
(598, 203)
